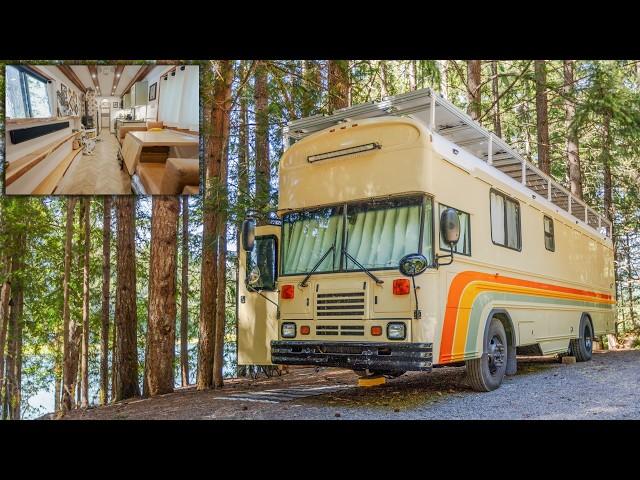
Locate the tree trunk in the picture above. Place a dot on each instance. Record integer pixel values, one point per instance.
(413, 75)
(212, 209)
(161, 333)
(606, 167)
(573, 157)
(542, 120)
(473, 88)
(106, 283)
(632, 313)
(114, 344)
(339, 85)
(184, 298)
(497, 126)
(222, 130)
(86, 208)
(223, 200)
(263, 165)
(71, 332)
(5, 295)
(13, 366)
(126, 318)
(443, 67)
(218, 358)
(312, 77)
(384, 85)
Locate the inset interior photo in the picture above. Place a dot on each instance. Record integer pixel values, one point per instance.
(102, 130)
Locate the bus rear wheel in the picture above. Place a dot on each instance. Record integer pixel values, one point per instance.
(486, 373)
(582, 347)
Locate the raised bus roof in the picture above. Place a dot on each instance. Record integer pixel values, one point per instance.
(442, 117)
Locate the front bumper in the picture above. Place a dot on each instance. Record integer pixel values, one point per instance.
(355, 355)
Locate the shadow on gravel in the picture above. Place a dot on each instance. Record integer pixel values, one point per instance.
(417, 389)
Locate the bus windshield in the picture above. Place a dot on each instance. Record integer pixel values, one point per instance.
(377, 233)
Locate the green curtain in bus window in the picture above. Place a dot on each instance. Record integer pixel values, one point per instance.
(427, 236)
(549, 242)
(497, 218)
(513, 225)
(308, 236)
(380, 234)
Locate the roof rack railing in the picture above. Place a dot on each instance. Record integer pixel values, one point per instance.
(445, 119)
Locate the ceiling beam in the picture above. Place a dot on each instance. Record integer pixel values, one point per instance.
(71, 75)
(93, 71)
(116, 78)
(144, 70)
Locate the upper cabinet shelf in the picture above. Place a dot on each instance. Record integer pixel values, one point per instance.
(139, 93)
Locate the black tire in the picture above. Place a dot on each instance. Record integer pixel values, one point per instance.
(582, 347)
(374, 373)
(486, 373)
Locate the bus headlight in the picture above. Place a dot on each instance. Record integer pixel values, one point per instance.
(396, 331)
(288, 330)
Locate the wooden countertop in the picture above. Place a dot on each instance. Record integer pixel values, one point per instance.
(165, 137)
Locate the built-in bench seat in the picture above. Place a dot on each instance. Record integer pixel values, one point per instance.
(170, 178)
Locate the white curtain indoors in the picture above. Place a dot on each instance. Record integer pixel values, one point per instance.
(179, 99)
(513, 240)
(497, 218)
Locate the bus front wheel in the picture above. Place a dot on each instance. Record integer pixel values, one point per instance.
(486, 373)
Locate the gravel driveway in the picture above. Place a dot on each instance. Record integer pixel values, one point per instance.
(607, 387)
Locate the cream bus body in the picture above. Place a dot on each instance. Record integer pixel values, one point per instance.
(541, 297)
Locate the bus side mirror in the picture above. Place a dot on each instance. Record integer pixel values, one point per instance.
(450, 232)
(450, 226)
(410, 266)
(413, 264)
(248, 234)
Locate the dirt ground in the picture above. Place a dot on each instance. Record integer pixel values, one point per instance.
(606, 387)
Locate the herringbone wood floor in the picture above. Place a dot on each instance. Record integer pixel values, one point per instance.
(97, 174)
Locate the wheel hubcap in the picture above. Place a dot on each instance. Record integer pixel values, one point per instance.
(587, 340)
(495, 354)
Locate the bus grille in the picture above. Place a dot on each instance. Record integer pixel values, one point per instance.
(334, 330)
(340, 305)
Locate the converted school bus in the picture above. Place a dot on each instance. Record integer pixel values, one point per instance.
(531, 270)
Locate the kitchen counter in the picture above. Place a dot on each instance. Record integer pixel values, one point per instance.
(123, 120)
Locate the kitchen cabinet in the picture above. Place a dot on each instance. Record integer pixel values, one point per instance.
(126, 100)
(139, 93)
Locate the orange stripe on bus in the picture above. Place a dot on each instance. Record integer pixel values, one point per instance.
(463, 279)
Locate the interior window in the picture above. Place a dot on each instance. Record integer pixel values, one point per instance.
(549, 239)
(27, 95)
(505, 221)
(263, 259)
(463, 246)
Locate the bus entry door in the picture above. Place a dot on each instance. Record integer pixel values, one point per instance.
(257, 316)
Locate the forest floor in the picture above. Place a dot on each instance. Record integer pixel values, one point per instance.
(608, 387)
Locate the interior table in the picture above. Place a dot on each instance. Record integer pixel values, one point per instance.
(181, 145)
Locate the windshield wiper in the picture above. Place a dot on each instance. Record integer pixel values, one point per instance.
(373, 277)
(303, 283)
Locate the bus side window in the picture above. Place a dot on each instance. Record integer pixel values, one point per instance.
(549, 240)
(505, 221)
(264, 258)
